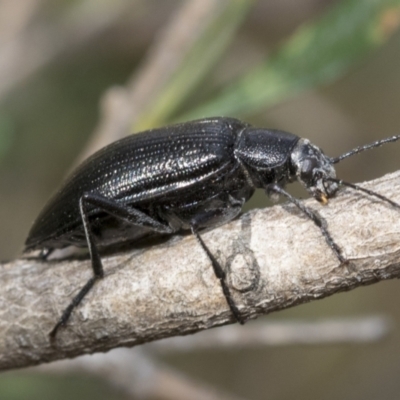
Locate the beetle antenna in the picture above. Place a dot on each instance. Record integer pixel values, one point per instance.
(367, 191)
(360, 149)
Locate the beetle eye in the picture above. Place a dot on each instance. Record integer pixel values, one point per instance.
(318, 175)
(309, 164)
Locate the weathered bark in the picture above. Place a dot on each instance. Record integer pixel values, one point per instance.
(275, 258)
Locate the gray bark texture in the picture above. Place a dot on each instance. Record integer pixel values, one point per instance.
(274, 258)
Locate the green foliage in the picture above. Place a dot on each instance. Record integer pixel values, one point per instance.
(203, 56)
(317, 54)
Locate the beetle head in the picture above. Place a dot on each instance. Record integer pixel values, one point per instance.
(313, 170)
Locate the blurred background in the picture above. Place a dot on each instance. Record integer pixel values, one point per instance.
(76, 75)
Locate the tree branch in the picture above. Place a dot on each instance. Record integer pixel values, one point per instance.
(275, 258)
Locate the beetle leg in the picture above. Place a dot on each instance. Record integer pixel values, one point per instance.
(45, 253)
(220, 274)
(96, 265)
(130, 214)
(274, 188)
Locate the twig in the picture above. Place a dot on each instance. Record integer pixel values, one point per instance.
(121, 106)
(274, 258)
(136, 374)
(15, 16)
(279, 333)
(30, 49)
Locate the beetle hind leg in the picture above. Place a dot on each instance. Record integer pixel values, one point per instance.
(97, 266)
(118, 210)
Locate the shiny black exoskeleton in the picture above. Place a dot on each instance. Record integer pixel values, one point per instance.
(188, 176)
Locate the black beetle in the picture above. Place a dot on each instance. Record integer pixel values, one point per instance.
(189, 176)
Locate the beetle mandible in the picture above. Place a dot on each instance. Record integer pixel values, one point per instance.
(188, 176)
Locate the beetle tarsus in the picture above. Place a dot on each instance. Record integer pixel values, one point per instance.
(74, 303)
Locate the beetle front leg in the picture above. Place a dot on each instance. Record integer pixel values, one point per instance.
(112, 207)
(318, 221)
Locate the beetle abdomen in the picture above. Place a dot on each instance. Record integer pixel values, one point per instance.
(153, 166)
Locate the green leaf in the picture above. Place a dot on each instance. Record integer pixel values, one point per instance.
(317, 54)
(204, 54)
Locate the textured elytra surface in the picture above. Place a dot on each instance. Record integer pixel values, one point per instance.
(157, 167)
(171, 289)
(195, 174)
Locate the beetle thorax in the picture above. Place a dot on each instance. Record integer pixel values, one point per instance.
(265, 155)
(313, 170)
